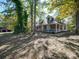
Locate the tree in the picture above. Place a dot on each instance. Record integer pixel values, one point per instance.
(9, 14)
(34, 14)
(77, 15)
(21, 17)
(31, 13)
(66, 8)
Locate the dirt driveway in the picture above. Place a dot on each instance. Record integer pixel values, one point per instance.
(42, 47)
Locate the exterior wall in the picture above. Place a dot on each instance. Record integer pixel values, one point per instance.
(53, 27)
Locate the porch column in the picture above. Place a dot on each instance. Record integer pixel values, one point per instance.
(66, 27)
(41, 27)
(56, 28)
(59, 27)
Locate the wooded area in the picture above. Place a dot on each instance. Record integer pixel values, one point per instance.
(19, 15)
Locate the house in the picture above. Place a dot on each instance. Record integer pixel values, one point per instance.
(51, 26)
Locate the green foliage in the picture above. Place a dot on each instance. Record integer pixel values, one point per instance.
(1, 24)
(25, 20)
(21, 17)
(66, 8)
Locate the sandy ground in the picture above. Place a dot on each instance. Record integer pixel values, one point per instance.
(44, 46)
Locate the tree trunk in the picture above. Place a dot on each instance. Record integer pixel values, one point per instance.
(31, 11)
(21, 17)
(77, 21)
(77, 16)
(34, 15)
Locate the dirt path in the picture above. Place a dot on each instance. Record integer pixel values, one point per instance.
(43, 47)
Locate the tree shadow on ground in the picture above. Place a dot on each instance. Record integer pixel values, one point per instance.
(65, 34)
(11, 44)
(17, 45)
(58, 55)
(73, 45)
